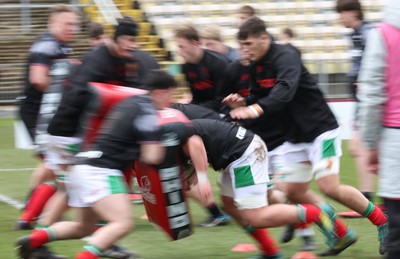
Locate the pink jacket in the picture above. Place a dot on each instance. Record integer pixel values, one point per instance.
(391, 111)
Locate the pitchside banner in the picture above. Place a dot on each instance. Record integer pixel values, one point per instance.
(344, 112)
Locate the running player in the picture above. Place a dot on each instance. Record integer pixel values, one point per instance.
(282, 86)
(242, 158)
(105, 64)
(48, 48)
(96, 186)
(203, 69)
(217, 217)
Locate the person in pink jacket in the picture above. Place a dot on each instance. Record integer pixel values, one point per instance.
(380, 115)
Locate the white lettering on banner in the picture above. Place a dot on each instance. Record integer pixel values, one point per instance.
(177, 209)
(172, 185)
(176, 205)
(344, 113)
(174, 197)
(241, 133)
(169, 173)
(179, 221)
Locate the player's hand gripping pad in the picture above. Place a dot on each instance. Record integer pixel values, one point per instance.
(161, 186)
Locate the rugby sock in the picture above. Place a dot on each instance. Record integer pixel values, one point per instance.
(86, 255)
(89, 252)
(37, 201)
(375, 215)
(214, 210)
(39, 226)
(41, 236)
(308, 214)
(267, 244)
(340, 228)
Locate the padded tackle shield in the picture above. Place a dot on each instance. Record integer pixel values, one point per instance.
(162, 188)
(105, 96)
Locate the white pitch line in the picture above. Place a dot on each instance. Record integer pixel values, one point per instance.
(10, 201)
(16, 169)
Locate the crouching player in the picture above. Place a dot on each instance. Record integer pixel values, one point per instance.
(242, 158)
(96, 186)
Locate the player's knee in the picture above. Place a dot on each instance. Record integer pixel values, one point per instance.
(124, 226)
(129, 225)
(329, 189)
(291, 193)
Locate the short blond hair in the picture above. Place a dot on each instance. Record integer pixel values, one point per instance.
(186, 31)
(61, 8)
(211, 32)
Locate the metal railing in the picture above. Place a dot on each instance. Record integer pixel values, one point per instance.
(25, 11)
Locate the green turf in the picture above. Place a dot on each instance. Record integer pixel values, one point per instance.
(148, 241)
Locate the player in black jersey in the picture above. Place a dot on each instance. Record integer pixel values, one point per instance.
(217, 217)
(105, 64)
(96, 186)
(52, 45)
(46, 51)
(242, 158)
(281, 88)
(203, 69)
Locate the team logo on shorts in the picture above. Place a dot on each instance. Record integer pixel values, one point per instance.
(145, 187)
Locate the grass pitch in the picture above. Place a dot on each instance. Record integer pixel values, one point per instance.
(148, 241)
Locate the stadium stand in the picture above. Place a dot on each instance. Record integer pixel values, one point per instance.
(321, 39)
(20, 26)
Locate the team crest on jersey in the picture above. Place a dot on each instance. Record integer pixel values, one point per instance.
(145, 187)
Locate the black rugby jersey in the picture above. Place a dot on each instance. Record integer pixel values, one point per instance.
(206, 79)
(132, 122)
(237, 79)
(224, 142)
(288, 93)
(98, 66)
(194, 111)
(270, 129)
(44, 51)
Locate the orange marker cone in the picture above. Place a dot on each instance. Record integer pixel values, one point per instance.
(304, 255)
(244, 248)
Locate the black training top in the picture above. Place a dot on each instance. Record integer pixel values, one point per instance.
(194, 111)
(206, 78)
(224, 142)
(287, 92)
(132, 122)
(44, 51)
(98, 66)
(270, 128)
(237, 79)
